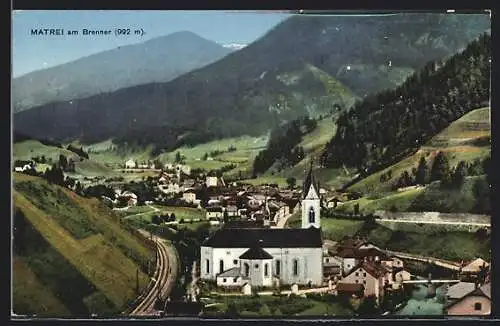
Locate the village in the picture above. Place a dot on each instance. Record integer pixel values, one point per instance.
(252, 251)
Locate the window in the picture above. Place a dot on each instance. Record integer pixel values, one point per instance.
(357, 281)
(235, 280)
(223, 280)
(311, 215)
(235, 262)
(221, 266)
(247, 269)
(256, 266)
(364, 282)
(477, 306)
(208, 265)
(357, 274)
(266, 270)
(348, 265)
(278, 267)
(364, 274)
(295, 267)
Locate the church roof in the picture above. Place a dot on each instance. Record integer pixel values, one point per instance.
(256, 253)
(271, 238)
(309, 180)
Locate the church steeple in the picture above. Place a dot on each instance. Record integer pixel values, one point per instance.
(311, 202)
(308, 181)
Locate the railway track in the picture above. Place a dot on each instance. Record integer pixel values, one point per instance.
(162, 278)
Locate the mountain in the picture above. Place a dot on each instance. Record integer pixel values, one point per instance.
(157, 60)
(388, 126)
(306, 65)
(72, 257)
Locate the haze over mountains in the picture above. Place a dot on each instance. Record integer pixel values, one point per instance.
(307, 65)
(157, 60)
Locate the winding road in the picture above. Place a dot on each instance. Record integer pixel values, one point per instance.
(163, 279)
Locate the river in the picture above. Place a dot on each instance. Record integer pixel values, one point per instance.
(420, 305)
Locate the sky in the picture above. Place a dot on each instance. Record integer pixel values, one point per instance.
(30, 53)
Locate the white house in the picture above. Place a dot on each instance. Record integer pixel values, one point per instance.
(262, 255)
(211, 182)
(130, 164)
(189, 196)
(215, 212)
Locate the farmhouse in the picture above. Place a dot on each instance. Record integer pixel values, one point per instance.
(265, 256)
(130, 164)
(212, 182)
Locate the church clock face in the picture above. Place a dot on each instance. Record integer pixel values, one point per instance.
(311, 215)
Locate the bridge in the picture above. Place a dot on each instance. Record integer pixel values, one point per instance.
(455, 266)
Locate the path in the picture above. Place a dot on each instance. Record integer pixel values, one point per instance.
(433, 222)
(436, 261)
(163, 279)
(153, 210)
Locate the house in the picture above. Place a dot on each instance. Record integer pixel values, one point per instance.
(211, 181)
(130, 164)
(189, 196)
(231, 278)
(22, 166)
(232, 210)
(214, 212)
(476, 302)
(267, 255)
(475, 266)
(170, 188)
(186, 169)
(371, 275)
(458, 291)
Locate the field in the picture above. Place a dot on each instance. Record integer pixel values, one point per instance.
(462, 140)
(63, 239)
(332, 228)
(434, 242)
(27, 149)
(400, 200)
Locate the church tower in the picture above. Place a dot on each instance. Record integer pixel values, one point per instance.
(311, 202)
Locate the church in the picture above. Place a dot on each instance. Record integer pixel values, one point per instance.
(264, 257)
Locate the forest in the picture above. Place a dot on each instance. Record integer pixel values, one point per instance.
(384, 127)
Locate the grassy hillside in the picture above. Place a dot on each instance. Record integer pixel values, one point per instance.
(464, 139)
(443, 244)
(61, 238)
(27, 149)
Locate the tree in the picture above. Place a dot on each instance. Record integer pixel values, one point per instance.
(368, 306)
(63, 162)
(421, 174)
(356, 209)
(459, 174)
(178, 157)
(291, 181)
(157, 164)
(440, 170)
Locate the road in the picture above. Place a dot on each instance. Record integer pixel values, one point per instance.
(436, 261)
(282, 222)
(163, 279)
(434, 222)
